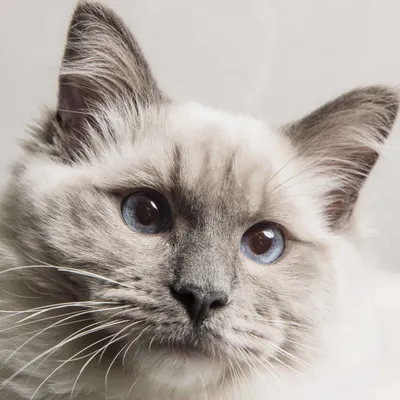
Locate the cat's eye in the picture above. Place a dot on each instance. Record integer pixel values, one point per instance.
(146, 212)
(263, 243)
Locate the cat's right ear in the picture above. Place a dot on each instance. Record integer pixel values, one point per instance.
(341, 142)
(102, 64)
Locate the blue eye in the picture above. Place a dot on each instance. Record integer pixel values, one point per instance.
(146, 212)
(263, 243)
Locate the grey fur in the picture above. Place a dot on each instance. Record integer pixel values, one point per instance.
(115, 132)
(350, 126)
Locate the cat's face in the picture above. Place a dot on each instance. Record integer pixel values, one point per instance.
(218, 176)
(216, 232)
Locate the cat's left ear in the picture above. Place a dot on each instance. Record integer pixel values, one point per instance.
(341, 142)
(102, 64)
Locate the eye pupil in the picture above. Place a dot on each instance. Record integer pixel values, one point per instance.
(263, 243)
(260, 242)
(147, 211)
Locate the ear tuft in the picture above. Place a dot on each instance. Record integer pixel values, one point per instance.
(342, 141)
(102, 64)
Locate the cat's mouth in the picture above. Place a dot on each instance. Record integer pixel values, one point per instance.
(185, 346)
(181, 350)
(178, 364)
(185, 342)
(195, 345)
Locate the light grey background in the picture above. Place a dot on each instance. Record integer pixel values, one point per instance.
(275, 58)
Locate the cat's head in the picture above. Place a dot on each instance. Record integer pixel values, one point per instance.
(221, 235)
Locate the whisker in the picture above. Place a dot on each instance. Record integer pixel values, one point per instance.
(118, 333)
(52, 349)
(283, 185)
(245, 378)
(234, 375)
(296, 156)
(52, 308)
(65, 362)
(113, 361)
(17, 325)
(285, 365)
(286, 322)
(298, 343)
(98, 326)
(204, 387)
(287, 354)
(51, 326)
(35, 290)
(151, 342)
(70, 270)
(85, 331)
(19, 296)
(93, 275)
(133, 342)
(268, 365)
(89, 361)
(134, 383)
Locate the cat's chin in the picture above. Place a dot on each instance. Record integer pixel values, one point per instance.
(179, 368)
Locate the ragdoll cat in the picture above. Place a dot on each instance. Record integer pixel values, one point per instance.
(157, 250)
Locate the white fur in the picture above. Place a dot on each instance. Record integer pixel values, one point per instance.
(358, 361)
(63, 244)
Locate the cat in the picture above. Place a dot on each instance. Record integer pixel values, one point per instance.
(151, 249)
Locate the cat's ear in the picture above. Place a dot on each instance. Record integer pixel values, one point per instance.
(102, 63)
(341, 142)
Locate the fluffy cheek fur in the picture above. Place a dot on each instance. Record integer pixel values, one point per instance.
(274, 311)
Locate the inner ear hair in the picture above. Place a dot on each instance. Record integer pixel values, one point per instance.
(102, 65)
(342, 140)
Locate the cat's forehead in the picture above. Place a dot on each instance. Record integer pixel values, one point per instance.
(208, 157)
(196, 156)
(197, 147)
(212, 144)
(216, 133)
(205, 145)
(218, 157)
